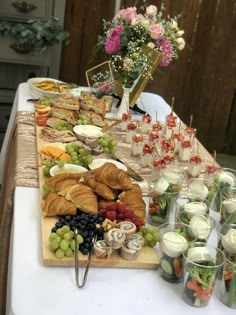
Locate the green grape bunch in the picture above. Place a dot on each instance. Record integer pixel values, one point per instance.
(150, 234)
(108, 143)
(84, 120)
(49, 164)
(78, 155)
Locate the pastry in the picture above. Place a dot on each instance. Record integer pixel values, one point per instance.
(130, 250)
(102, 204)
(134, 200)
(53, 204)
(115, 238)
(100, 189)
(84, 198)
(129, 228)
(101, 249)
(113, 177)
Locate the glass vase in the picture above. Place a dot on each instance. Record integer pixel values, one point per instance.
(124, 105)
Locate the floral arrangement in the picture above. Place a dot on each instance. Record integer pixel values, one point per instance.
(129, 32)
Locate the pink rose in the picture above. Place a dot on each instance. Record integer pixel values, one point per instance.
(151, 10)
(128, 14)
(156, 31)
(112, 43)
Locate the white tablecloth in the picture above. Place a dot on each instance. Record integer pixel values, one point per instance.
(35, 289)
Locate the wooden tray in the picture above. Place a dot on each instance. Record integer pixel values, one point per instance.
(147, 259)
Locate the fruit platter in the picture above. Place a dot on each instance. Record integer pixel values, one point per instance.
(95, 177)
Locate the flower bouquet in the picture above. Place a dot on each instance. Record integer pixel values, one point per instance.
(136, 43)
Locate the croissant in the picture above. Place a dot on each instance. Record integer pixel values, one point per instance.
(102, 204)
(134, 200)
(83, 197)
(57, 205)
(100, 189)
(113, 177)
(63, 182)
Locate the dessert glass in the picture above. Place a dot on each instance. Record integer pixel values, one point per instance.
(228, 205)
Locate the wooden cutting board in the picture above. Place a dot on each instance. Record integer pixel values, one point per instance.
(146, 260)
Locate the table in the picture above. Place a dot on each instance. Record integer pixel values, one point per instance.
(37, 289)
(153, 103)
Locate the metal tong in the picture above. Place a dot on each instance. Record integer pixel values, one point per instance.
(77, 267)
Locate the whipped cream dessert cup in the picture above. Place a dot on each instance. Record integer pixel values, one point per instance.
(195, 166)
(185, 151)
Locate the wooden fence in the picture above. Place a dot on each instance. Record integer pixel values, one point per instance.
(202, 80)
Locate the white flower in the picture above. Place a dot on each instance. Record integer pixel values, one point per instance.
(180, 33)
(151, 45)
(180, 43)
(229, 241)
(151, 10)
(174, 24)
(145, 23)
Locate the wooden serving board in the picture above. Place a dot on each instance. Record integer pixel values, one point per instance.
(146, 260)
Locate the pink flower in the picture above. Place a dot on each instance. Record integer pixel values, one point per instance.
(112, 43)
(151, 10)
(156, 31)
(128, 14)
(166, 50)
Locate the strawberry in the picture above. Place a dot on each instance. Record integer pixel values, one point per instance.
(120, 216)
(103, 211)
(111, 215)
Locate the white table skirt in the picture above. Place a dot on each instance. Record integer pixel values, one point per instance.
(35, 289)
(153, 103)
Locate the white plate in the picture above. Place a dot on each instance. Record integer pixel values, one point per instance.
(67, 168)
(88, 131)
(99, 162)
(37, 92)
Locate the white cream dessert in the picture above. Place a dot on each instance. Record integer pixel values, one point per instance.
(229, 241)
(115, 238)
(137, 145)
(131, 128)
(176, 141)
(169, 159)
(209, 174)
(195, 207)
(101, 249)
(185, 150)
(130, 250)
(153, 137)
(169, 129)
(157, 166)
(166, 148)
(198, 189)
(195, 166)
(173, 244)
(125, 120)
(146, 125)
(200, 227)
(146, 156)
(129, 228)
(189, 134)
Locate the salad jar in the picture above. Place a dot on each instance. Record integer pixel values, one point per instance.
(172, 243)
(228, 281)
(201, 264)
(228, 205)
(162, 195)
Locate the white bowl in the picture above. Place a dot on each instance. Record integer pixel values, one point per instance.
(99, 162)
(36, 92)
(87, 131)
(70, 168)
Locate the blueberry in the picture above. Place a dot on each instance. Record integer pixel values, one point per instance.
(68, 218)
(54, 229)
(85, 251)
(59, 225)
(100, 219)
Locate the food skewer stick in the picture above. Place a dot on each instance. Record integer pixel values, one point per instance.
(191, 120)
(156, 117)
(214, 157)
(172, 104)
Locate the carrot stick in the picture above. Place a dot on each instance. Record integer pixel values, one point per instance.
(177, 268)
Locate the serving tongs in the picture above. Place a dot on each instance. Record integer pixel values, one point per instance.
(77, 266)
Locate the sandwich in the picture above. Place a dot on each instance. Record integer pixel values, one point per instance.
(71, 103)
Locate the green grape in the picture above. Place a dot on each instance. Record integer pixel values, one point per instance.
(156, 237)
(80, 239)
(106, 150)
(79, 122)
(60, 253)
(72, 245)
(67, 236)
(69, 252)
(60, 163)
(152, 243)
(81, 151)
(46, 171)
(74, 146)
(60, 232)
(148, 237)
(52, 236)
(66, 228)
(48, 163)
(54, 245)
(64, 245)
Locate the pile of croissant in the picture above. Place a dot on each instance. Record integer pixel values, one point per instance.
(91, 191)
